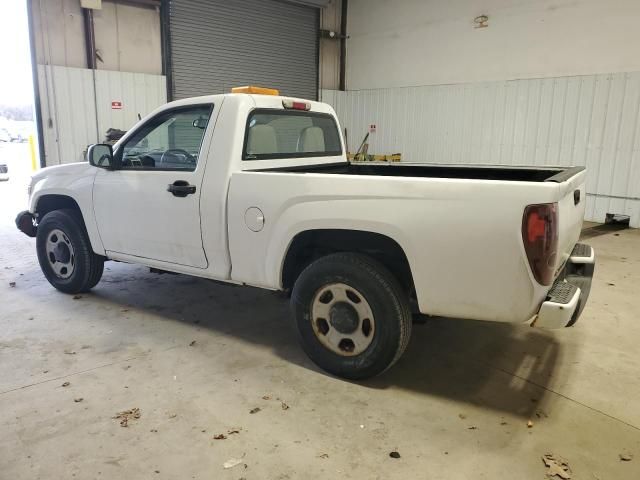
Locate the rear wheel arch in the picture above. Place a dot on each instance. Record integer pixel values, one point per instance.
(309, 245)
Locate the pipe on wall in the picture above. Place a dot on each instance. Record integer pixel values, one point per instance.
(165, 43)
(36, 89)
(89, 38)
(343, 45)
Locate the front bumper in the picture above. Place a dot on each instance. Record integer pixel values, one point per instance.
(569, 293)
(26, 223)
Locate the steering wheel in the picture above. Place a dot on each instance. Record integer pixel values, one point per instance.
(178, 152)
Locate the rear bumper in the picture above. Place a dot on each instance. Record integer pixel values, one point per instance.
(568, 295)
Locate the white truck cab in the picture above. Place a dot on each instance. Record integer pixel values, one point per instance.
(254, 188)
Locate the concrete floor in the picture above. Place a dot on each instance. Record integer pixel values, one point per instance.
(455, 407)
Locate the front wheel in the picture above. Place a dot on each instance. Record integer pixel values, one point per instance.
(353, 317)
(65, 254)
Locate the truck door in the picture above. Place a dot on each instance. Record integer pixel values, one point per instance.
(149, 206)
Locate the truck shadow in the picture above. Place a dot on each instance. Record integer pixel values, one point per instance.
(503, 367)
(498, 366)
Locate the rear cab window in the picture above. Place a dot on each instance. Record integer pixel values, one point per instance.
(281, 134)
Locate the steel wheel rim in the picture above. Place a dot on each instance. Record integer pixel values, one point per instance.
(342, 320)
(60, 253)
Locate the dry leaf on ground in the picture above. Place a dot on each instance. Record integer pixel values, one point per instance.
(232, 462)
(126, 415)
(558, 467)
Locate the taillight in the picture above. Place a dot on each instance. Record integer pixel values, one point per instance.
(540, 237)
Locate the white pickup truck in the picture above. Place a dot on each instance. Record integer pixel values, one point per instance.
(255, 189)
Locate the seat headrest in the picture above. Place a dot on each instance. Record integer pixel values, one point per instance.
(262, 139)
(311, 140)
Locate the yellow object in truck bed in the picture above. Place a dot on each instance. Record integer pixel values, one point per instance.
(363, 157)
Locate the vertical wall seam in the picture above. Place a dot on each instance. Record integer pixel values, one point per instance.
(575, 126)
(633, 146)
(616, 146)
(603, 130)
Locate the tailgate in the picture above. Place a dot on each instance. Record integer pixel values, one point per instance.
(571, 207)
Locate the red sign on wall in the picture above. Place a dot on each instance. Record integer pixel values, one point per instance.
(116, 105)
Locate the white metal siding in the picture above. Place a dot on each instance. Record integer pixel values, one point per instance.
(590, 120)
(69, 100)
(139, 93)
(68, 112)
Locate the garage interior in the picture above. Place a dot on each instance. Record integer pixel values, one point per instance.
(497, 82)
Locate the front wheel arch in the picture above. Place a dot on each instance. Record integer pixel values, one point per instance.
(49, 202)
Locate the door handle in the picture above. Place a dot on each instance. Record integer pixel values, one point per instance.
(180, 188)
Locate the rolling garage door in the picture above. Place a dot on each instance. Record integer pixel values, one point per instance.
(218, 44)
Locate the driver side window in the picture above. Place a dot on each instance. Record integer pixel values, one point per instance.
(169, 141)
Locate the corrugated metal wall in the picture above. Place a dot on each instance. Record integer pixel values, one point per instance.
(586, 120)
(218, 44)
(69, 99)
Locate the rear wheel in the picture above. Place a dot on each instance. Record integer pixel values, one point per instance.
(65, 254)
(352, 315)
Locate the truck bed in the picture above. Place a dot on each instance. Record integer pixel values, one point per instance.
(459, 226)
(425, 170)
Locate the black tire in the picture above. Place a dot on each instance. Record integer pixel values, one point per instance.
(385, 297)
(87, 265)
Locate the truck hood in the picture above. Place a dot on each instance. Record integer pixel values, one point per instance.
(75, 169)
(61, 178)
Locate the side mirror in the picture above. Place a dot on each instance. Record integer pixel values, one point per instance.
(101, 155)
